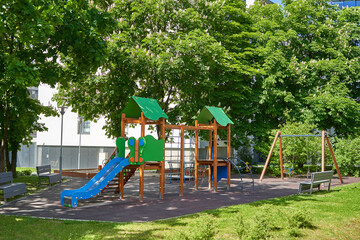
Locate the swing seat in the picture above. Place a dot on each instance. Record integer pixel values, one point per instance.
(288, 170)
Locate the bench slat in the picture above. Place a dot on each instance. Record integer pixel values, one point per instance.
(6, 177)
(317, 178)
(11, 189)
(45, 172)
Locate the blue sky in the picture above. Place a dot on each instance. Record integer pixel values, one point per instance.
(276, 1)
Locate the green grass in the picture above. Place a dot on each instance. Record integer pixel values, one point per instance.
(323, 215)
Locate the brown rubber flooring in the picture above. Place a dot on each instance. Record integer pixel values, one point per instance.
(46, 203)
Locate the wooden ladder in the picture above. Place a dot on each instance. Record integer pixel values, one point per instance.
(113, 186)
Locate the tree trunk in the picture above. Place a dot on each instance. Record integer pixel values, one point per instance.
(4, 140)
(7, 157)
(13, 163)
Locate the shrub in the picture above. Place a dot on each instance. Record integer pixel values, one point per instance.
(347, 153)
(241, 228)
(300, 219)
(205, 229)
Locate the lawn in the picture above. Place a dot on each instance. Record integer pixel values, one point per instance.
(323, 215)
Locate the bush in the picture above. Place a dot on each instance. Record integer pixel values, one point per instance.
(347, 153)
(300, 219)
(205, 229)
(266, 220)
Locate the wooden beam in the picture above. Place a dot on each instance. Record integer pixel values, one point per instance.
(333, 157)
(196, 155)
(142, 122)
(322, 151)
(228, 155)
(222, 127)
(172, 127)
(182, 161)
(123, 120)
(162, 163)
(281, 159)
(142, 167)
(141, 182)
(215, 164)
(132, 120)
(269, 156)
(210, 151)
(193, 128)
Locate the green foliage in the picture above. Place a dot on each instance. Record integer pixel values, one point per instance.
(300, 219)
(347, 154)
(204, 229)
(25, 172)
(43, 42)
(178, 52)
(297, 220)
(308, 67)
(241, 228)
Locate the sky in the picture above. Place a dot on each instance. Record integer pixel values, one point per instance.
(276, 1)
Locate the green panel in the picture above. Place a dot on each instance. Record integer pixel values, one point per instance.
(131, 143)
(150, 107)
(207, 114)
(120, 144)
(132, 109)
(154, 149)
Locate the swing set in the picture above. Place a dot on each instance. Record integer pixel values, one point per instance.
(289, 170)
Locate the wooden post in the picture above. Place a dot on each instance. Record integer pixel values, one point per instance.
(228, 155)
(210, 153)
(123, 118)
(141, 183)
(333, 157)
(142, 166)
(322, 151)
(269, 156)
(281, 158)
(196, 155)
(162, 163)
(143, 123)
(215, 163)
(182, 161)
(121, 175)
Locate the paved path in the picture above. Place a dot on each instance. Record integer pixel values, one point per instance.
(46, 203)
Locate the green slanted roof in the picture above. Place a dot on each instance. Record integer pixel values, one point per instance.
(150, 107)
(207, 114)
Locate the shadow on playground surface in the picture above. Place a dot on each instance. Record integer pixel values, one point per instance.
(46, 203)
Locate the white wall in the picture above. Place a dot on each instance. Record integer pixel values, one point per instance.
(249, 2)
(96, 137)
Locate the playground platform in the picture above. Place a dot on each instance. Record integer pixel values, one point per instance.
(46, 203)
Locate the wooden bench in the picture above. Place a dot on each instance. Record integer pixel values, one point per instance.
(317, 178)
(45, 172)
(9, 188)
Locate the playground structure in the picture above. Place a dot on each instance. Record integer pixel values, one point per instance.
(279, 137)
(147, 153)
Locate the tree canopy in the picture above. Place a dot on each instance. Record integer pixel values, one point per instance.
(44, 42)
(265, 65)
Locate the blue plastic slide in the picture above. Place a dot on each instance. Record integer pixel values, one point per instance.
(97, 183)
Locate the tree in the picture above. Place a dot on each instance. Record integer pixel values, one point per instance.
(308, 55)
(178, 52)
(45, 42)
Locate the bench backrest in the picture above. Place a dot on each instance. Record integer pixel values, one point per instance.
(43, 169)
(6, 177)
(320, 176)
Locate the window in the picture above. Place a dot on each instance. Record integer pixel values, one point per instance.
(83, 126)
(33, 91)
